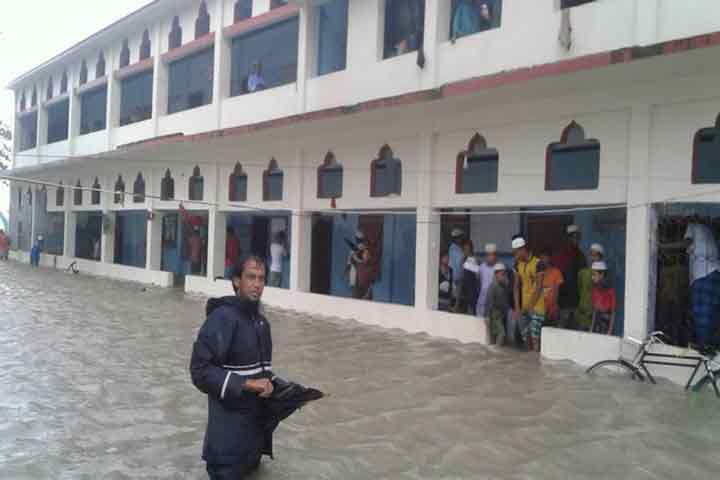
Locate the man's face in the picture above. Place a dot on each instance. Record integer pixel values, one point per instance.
(597, 277)
(484, 11)
(252, 282)
(520, 254)
(596, 256)
(501, 277)
(444, 260)
(491, 258)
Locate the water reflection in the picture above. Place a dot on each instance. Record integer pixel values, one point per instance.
(94, 384)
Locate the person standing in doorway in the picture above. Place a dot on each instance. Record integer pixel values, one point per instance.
(457, 258)
(364, 264)
(232, 364)
(487, 276)
(4, 245)
(569, 260)
(603, 300)
(584, 312)
(232, 251)
(278, 252)
(530, 302)
(551, 287)
(470, 281)
(498, 305)
(196, 247)
(445, 283)
(35, 251)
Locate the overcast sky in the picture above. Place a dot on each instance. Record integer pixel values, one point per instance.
(33, 31)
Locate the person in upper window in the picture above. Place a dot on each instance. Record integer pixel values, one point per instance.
(406, 21)
(471, 16)
(604, 302)
(529, 299)
(255, 80)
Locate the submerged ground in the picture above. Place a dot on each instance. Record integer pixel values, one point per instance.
(94, 384)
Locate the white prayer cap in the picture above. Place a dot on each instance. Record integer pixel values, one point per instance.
(599, 266)
(596, 247)
(518, 243)
(490, 248)
(456, 233)
(572, 229)
(359, 234)
(500, 267)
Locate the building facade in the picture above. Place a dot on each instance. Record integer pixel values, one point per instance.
(300, 123)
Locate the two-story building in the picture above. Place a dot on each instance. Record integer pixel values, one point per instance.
(307, 122)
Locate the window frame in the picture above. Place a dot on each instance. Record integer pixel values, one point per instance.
(376, 163)
(167, 187)
(60, 195)
(496, 19)
(186, 62)
(697, 138)
(478, 146)
(95, 196)
(139, 189)
(572, 138)
(196, 181)
(237, 173)
(130, 81)
(319, 38)
(119, 191)
(386, 47)
(102, 89)
(272, 173)
(51, 112)
(330, 164)
(78, 194)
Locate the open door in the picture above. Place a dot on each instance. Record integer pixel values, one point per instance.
(321, 271)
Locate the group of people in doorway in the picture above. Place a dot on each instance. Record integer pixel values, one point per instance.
(551, 288)
(362, 267)
(278, 252)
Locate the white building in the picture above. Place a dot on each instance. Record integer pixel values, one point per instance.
(319, 117)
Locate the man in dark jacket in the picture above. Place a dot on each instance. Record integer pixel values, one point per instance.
(231, 363)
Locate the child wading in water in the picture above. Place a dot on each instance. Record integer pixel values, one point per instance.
(603, 300)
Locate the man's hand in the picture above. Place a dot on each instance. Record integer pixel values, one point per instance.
(262, 386)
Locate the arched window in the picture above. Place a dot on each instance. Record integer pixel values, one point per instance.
(60, 195)
(196, 185)
(95, 195)
(139, 189)
(574, 162)
(202, 24)
(100, 66)
(476, 169)
(23, 102)
(19, 198)
(50, 88)
(125, 54)
(330, 178)
(167, 187)
(706, 155)
(243, 10)
(33, 98)
(238, 184)
(83, 73)
(64, 83)
(385, 174)
(29, 197)
(119, 190)
(78, 194)
(273, 182)
(175, 36)
(145, 45)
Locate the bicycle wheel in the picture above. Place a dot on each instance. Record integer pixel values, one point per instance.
(616, 369)
(705, 385)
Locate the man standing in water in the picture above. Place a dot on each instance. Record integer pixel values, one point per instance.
(231, 363)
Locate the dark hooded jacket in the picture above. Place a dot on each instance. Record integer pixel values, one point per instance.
(233, 345)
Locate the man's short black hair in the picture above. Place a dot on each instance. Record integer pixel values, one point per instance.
(238, 269)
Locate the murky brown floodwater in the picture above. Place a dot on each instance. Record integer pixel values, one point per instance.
(94, 384)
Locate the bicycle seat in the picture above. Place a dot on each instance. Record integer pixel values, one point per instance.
(706, 350)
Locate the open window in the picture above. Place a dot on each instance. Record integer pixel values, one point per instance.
(78, 194)
(136, 98)
(145, 45)
(175, 35)
(139, 189)
(706, 155)
(265, 58)
(58, 118)
(28, 131)
(404, 26)
(60, 195)
(573, 3)
(386, 174)
(330, 178)
(273, 179)
(332, 36)
(196, 185)
(238, 184)
(119, 190)
(125, 54)
(202, 24)
(167, 187)
(95, 194)
(574, 162)
(474, 16)
(242, 10)
(93, 110)
(100, 66)
(190, 82)
(476, 169)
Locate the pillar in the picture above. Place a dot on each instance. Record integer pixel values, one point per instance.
(159, 95)
(300, 251)
(74, 112)
(112, 112)
(70, 226)
(33, 216)
(437, 30)
(107, 240)
(217, 228)
(153, 256)
(427, 248)
(221, 78)
(639, 232)
(306, 54)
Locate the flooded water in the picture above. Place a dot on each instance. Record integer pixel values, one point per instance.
(94, 384)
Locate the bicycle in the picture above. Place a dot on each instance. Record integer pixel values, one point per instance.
(637, 370)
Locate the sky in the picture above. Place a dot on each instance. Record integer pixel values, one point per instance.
(33, 31)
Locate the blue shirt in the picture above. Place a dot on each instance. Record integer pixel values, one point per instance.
(457, 258)
(706, 306)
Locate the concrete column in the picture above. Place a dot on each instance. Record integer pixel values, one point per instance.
(42, 119)
(107, 240)
(427, 248)
(221, 78)
(33, 216)
(305, 54)
(638, 248)
(70, 226)
(153, 256)
(74, 113)
(437, 28)
(300, 251)
(112, 119)
(159, 96)
(217, 225)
